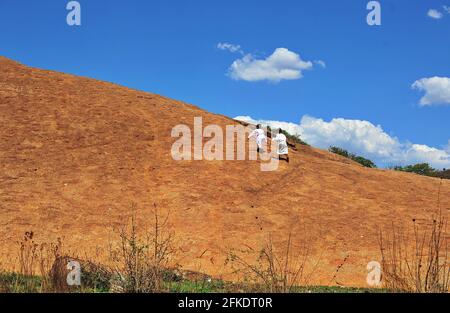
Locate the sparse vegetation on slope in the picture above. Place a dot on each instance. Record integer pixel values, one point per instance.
(423, 169)
(416, 261)
(141, 262)
(141, 265)
(272, 270)
(359, 159)
(294, 139)
(74, 158)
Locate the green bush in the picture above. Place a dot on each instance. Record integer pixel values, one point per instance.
(359, 159)
(421, 169)
(365, 162)
(340, 151)
(445, 174)
(295, 139)
(424, 169)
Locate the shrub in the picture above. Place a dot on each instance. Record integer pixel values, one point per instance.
(359, 159)
(421, 169)
(444, 174)
(271, 269)
(141, 262)
(417, 265)
(294, 139)
(365, 162)
(35, 256)
(339, 151)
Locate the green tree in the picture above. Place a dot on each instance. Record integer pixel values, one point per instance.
(340, 151)
(421, 169)
(359, 159)
(365, 162)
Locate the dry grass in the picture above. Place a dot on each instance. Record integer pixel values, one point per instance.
(141, 261)
(417, 262)
(34, 260)
(271, 269)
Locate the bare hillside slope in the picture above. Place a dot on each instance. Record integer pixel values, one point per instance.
(76, 152)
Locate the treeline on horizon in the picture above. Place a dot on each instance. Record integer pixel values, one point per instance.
(424, 169)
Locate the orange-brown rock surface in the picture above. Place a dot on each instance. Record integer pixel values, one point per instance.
(76, 153)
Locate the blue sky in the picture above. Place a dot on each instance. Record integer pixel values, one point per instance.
(171, 48)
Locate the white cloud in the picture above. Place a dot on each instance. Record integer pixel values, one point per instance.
(291, 128)
(416, 153)
(229, 46)
(437, 90)
(446, 9)
(321, 63)
(433, 13)
(281, 65)
(363, 138)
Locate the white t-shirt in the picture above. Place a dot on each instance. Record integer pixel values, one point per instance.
(282, 144)
(260, 137)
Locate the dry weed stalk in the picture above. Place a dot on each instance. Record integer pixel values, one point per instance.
(273, 271)
(37, 259)
(421, 265)
(141, 261)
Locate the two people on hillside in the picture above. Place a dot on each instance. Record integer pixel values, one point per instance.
(280, 139)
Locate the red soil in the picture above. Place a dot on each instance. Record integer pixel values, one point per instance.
(76, 153)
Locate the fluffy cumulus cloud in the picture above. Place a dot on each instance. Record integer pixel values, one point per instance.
(363, 138)
(433, 13)
(283, 64)
(416, 153)
(437, 90)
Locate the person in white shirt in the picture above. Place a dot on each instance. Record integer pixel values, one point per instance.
(260, 137)
(283, 150)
